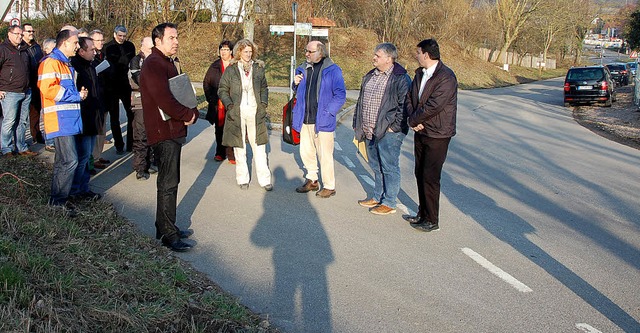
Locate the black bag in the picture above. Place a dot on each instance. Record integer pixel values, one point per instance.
(289, 135)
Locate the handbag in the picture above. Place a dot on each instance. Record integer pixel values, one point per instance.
(289, 135)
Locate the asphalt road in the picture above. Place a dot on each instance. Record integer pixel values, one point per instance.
(540, 228)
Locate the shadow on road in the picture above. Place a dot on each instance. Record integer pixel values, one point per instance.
(301, 254)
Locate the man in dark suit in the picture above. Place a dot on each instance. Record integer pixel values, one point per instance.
(431, 109)
(119, 53)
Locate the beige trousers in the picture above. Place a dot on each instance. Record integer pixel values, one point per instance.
(318, 146)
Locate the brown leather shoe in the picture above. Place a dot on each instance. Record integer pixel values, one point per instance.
(382, 210)
(369, 203)
(308, 185)
(27, 153)
(325, 193)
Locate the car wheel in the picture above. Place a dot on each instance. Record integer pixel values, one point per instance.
(608, 103)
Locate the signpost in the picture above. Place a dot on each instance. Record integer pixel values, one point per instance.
(298, 29)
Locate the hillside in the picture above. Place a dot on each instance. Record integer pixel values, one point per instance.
(351, 48)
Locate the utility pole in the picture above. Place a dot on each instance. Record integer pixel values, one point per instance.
(292, 71)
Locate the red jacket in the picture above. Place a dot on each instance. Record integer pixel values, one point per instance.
(155, 94)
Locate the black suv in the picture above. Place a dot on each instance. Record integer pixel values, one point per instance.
(587, 85)
(620, 72)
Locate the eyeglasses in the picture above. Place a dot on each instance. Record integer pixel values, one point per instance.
(15, 33)
(30, 31)
(225, 49)
(309, 51)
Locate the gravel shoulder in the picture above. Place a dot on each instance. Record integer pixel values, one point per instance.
(620, 123)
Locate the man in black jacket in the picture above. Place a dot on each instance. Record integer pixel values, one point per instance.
(431, 107)
(92, 116)
(15, 94)
(379, 120)
(35, 55)
(119, 53)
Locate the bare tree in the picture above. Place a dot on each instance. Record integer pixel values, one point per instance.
(249, 20)
(512, 15)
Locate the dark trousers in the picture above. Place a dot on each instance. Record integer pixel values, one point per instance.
(124, 95)
(168, 158)
(141, 151)
(34, 117)
(430, 154)
(223, 151)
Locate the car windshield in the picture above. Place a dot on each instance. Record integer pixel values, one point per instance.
(616, 67)
(633, 65)
(585, 74)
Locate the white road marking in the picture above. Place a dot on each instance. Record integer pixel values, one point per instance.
(406, 209)
(337, 146)
(587, 328)
(368, 180)
(348, 162)
(496, 270)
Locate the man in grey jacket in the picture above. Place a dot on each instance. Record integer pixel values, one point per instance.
(379, 120)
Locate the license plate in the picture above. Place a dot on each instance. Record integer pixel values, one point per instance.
(585, 87)
(614, 72)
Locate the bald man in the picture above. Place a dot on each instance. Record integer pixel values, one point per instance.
(141, 151)
(320, 92)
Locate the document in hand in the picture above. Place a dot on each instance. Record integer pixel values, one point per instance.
(182, 91)
(362, 148)
(102, 66)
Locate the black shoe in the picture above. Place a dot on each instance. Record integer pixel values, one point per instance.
(268, 187)
(119, 151)
(141, 175)
(178, 246)
(413, 219)
(426, 227)
(90, 196)
(244, 186)
(181, 233)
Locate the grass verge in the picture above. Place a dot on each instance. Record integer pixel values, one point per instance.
(95, 272)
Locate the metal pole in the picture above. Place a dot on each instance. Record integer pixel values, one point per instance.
(294, 7)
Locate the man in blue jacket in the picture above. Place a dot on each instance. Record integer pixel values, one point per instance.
(380, 121)
(320, 92)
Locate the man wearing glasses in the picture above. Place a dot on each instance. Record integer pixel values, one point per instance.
(119, 53)
(15, 94)
(35, 55)
(320, 92)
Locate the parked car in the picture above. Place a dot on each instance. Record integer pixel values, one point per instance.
(620, 72)
(634, 68)
(588, 85)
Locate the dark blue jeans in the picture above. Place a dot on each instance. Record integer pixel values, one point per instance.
(84, 147)
(15, 108)
(64, 168)
(384, 160)
(167, 154)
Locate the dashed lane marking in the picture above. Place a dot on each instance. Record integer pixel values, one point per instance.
(587, 328)
(406, 209)
(496, 270)
(337, 146)
(348, 162)
(368, 180)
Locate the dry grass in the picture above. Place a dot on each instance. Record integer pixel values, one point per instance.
(620, 123)
(95, 272)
